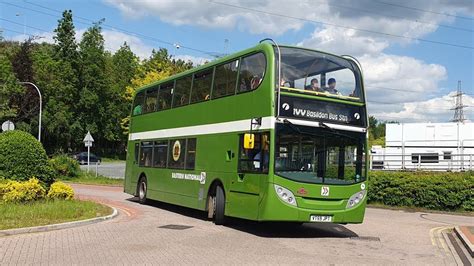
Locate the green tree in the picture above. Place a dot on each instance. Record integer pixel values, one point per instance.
(8, 88)
(66, 46)
(95, 109)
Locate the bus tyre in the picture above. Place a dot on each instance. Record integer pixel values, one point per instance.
(219, 217)
(142, 189)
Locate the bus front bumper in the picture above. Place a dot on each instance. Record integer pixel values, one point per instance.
(272, 208)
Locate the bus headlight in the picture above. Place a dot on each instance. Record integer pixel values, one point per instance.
(285, 195)
(355, 199)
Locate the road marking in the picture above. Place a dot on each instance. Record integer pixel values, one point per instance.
(437, 238)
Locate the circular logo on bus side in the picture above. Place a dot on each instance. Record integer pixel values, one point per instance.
(286, 106)
(357, 116)
(176, 150)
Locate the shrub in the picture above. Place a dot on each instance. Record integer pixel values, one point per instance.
(59, 190)
(22, 157)
(20, 192)
(65, 166)
(438, 191)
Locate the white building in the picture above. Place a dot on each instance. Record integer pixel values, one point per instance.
(426, 146)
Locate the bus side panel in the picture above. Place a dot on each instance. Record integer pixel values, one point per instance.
(130, 182)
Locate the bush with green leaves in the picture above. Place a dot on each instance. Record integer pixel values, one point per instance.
(59, 190)
(437, 191)
(65, 166)
(23, 157)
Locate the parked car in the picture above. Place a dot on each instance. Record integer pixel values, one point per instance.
(82, 158)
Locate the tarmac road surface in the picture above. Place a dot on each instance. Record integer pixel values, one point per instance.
(165, 234)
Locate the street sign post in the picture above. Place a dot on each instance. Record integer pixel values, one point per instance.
(8, 125)
(88, 139)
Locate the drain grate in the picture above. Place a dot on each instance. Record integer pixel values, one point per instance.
(366, 238)
(175, 226)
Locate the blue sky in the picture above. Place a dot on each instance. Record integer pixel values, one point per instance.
(407, 80)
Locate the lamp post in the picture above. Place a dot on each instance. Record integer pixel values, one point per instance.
(41, 106)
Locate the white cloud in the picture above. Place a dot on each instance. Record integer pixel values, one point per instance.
(367, 15)
(343, 41)
(399, 79)
(114, 39)
(196, 60)
(433, 110)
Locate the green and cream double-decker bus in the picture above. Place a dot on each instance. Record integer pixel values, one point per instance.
(271, 133)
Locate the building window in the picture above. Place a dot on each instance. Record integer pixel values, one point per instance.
(225, 79)
(425, 157)
(447, 155)
(160, 151)
(256, 159)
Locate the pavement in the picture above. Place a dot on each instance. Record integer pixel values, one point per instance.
(165, 234)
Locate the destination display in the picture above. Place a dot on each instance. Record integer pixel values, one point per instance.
(315, 110)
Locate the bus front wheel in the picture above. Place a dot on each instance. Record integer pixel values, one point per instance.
(219, 217)
(142, 189)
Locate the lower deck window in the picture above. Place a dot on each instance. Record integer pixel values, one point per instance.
(146, 153)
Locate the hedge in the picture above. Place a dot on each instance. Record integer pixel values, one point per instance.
(65, 166)
(431, 190)
(23, 157)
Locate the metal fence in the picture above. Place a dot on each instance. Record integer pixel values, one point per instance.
(422, 161)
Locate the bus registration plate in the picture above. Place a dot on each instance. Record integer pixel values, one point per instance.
(321, 218)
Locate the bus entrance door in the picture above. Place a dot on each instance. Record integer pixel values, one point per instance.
(252, 169)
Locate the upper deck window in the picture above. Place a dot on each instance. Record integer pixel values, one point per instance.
(251, 72)
(201, 86)
(165, 96)
(181, 91)
(225, 79)
(138, 103)
(315, 73)
(150, 100)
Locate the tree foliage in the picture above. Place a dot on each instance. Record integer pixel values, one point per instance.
(84, 87)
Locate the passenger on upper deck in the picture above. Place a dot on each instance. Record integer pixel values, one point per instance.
(284, 82)
(332, 87)
(314, 86)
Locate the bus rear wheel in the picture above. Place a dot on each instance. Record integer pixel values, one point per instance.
(142, 190)
(216, 206)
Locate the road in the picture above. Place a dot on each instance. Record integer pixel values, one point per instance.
(112, 169)
(164, 234)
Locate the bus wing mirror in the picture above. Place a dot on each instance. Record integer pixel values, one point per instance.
(249, 141)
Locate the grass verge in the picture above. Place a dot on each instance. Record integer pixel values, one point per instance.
(111, 160)
(44, 212)
(91, 179)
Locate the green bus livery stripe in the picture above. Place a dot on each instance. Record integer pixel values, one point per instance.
(225, 127)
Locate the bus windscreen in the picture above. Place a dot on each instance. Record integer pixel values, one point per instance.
(312, 72)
